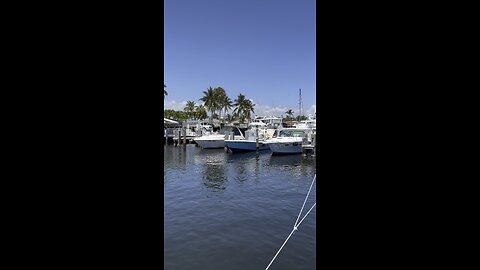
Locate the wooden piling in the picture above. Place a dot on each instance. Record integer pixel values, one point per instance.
(184, 129)
(176, 137)
(227, 137)
(314, 139)
(256, 138)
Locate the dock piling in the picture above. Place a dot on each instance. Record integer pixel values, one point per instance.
(314, 139)
(184, 129)
(256, 138)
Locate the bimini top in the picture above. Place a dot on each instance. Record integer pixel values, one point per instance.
(226, 129)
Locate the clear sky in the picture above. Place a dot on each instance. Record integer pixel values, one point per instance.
(264, 49)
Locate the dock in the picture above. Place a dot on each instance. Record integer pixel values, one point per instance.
(309, 146)
(178, 136)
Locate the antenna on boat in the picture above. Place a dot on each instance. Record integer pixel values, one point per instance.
(300, 105)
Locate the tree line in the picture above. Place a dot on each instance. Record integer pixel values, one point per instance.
(216, 101)
(218, 104)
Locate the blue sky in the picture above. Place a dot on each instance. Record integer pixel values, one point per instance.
(264, 49)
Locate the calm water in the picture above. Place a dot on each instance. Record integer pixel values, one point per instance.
(234, 211)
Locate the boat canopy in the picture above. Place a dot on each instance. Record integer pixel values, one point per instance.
(226, 129)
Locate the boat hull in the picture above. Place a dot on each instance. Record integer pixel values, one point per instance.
(245, 146)
(210, 144)
(286, 148)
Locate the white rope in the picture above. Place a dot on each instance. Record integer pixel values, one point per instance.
(306, 214)
(295, 227)
(280, 249)
(305, 200)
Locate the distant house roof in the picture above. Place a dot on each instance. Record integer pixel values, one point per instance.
(170, 123)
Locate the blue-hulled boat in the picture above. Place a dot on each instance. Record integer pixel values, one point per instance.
(250, 143)
(245, 145)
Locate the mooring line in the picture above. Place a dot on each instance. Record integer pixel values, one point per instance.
(301, 210)
(280, 249)
(306, 214)
(295, 227)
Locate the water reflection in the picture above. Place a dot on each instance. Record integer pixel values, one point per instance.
(174, 156)
(257, 162)
(296, 165)
(246, 164)
(175, 159)
(244, 156)
(241, 173)
(285, 160)
(269, 203)
(214, 175)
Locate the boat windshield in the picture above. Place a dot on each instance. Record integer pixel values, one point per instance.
(224, 130)
(291, 133)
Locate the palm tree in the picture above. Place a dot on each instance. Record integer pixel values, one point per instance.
(289, 113)
(248, 109)
(164, 91)
(243, 108)
(209, 100)
(239, 105)
(226, 104)
(200, 112)
(228, 118)
(189, 108)
(220, 95)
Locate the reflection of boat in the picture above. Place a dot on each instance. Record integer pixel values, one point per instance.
(288, 141)
(250, 141)
(283, 160)
(217, 140)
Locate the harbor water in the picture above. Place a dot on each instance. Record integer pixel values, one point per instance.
(234, 211)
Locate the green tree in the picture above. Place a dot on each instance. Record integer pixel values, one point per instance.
(227, 104)
(175, 115)
(243, 108)
(209, 100)
(289, 114)
(239, 104)
(219, 98)
(248, 109)
(229, 118)
(301, 118)
(164, 91)
(190, 108)
(200, 112)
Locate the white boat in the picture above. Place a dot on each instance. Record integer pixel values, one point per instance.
(205, 126)
(245, 145)
(250, 141)
(305, 124)
(270, 121)
(288, 141)
(217, 140)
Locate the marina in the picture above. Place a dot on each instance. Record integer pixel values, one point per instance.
(229, 194)
(240, 143)
(299, 138)
(234, 211)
